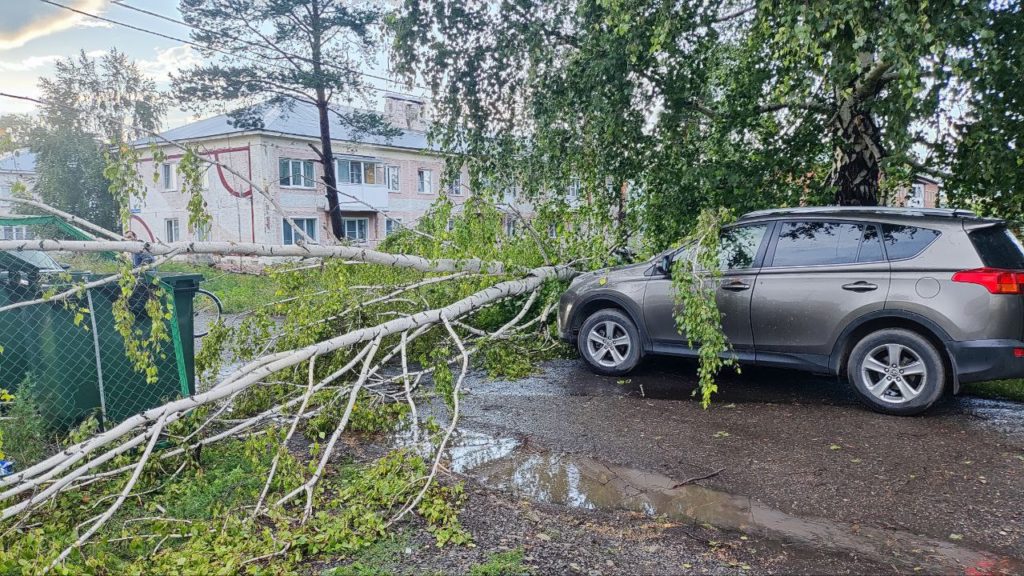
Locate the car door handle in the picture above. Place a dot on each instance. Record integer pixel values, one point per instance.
(861, 286)
(736, 286)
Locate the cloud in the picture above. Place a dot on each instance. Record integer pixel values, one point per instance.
(30, 63)
(25, 21)
(169, 60)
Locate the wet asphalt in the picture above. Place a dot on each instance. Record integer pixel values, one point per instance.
(794, 445)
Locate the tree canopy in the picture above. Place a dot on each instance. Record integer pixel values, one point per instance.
(282, 52)
(741, 104)
(92, 108)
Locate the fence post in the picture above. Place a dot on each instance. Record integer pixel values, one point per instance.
(99, 365)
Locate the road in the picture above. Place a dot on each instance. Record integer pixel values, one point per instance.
(799, 476)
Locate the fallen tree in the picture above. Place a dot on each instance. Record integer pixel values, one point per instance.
(366, 363)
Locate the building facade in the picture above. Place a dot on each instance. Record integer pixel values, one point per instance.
(383, 183)
(15, 167)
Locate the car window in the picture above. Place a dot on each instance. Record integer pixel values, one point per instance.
(871, 246)
(998, 248)
(906, 241)
(737, 247)
(817, 243)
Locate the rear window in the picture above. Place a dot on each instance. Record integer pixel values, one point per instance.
(998, 248)
(902, 242)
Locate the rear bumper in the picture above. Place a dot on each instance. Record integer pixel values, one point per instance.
(981, 360)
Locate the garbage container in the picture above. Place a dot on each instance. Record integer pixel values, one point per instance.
(72, 352)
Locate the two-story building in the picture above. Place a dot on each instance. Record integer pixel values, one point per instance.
(18, 166)
(383, 182)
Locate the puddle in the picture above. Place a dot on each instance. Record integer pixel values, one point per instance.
(1002, 416)
(586, 483)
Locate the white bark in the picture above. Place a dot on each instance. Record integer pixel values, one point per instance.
(70, 218)
(249, 249)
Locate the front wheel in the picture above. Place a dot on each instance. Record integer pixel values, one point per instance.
(206, 311)
(897, 371)
(610, 342)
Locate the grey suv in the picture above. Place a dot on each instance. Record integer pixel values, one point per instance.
(906, 303)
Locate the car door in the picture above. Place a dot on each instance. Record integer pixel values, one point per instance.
(817, 277)
(741, 249)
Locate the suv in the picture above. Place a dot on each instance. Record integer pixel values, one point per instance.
(906, 303)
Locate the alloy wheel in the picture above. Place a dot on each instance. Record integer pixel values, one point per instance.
(894, 373)
(608, 343)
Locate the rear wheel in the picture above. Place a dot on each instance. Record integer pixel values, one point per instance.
(896, 371)
(610, 342)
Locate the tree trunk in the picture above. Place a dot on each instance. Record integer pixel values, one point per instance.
(856, 166)
(326, 150)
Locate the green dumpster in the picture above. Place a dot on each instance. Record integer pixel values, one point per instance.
(71, 351)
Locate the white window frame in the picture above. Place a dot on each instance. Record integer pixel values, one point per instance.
(424, 181)
(552, 230)
(455, 186)
(204, 232)
(168, 177)
(391, 225)
(19, 232)
(172, 230)
(366, 229)
(303, 223)
(303, 185)
(511, 228)
(393, 177)
(573, 190)
(349, 163)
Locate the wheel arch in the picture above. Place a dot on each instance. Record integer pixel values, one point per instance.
(594, 302)
(883, 319)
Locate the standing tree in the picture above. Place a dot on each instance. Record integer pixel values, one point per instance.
(91, 108)
(747, 103)
(14, 131)
(278, 53)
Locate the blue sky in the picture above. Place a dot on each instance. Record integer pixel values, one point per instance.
(33, 35)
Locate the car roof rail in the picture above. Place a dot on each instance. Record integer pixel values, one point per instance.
(880, 210)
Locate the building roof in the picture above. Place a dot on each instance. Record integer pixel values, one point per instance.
(301, 120)
(22, 160)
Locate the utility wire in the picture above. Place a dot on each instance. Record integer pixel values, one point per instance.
(197, 44)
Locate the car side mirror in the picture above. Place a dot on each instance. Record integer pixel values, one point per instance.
(665, 265)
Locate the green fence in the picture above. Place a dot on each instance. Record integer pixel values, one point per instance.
(70, 353)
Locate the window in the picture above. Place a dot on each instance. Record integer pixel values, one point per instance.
(392, 225)
(824, 243)
(355, 228)
(14, 233)
(172, 231)
(359, 172)
(296, 173)
(906, 241)
(168, 177)
(916, 197)
(510, 227)
(737, 247)
(425, 181)
(455, 186)
(998, 248)
(307, 225)
(450, 225)
(393, 182)
(573, 190)
(552, 231)
(203, 233)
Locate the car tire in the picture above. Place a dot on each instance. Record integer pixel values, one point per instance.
(610, 342)
(897, 371)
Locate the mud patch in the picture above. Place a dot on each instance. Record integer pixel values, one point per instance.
(587, 483)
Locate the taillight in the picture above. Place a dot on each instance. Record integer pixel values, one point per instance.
(994, 280)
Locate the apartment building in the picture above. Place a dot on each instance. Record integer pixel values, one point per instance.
(383, 182)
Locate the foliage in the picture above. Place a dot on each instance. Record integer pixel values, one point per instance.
(70, 174)
(14, 131)
(1000, 389)
(696, 274)
(741, 104)
(142, 297)
(23, 432)
(280, 54)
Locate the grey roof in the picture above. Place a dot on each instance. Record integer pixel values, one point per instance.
(300, 120)
(21, 160)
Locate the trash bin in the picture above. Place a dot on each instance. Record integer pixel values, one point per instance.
(72, 352)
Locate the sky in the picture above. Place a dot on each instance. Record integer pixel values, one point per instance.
(34, 35)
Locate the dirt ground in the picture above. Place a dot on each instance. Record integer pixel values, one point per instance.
(785, 473)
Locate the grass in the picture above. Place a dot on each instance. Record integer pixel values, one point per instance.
(501, 564)
(1000, 389)
(237, 292)
(377, 559)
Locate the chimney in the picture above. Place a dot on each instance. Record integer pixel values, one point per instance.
(405, 111)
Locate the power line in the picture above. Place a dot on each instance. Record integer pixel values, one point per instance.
(166, 18)
(196, 44)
